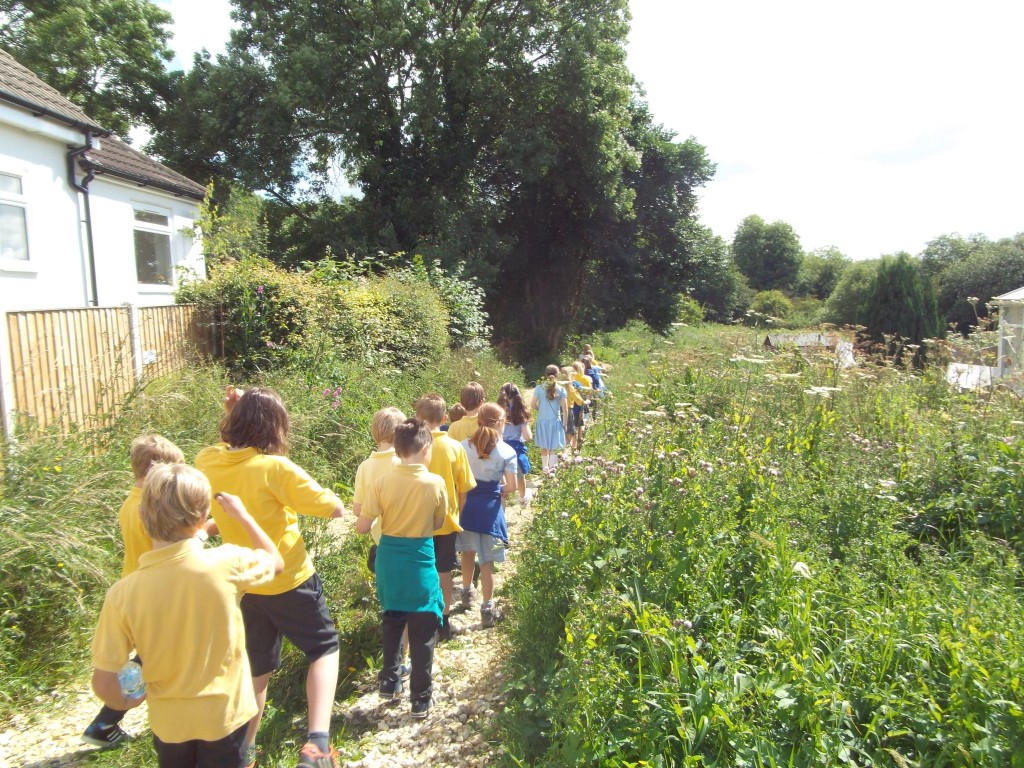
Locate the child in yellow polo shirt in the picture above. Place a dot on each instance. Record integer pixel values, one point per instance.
(448, 461)
(411, 503)
(105, 729)
(471, 398)
(180, 610)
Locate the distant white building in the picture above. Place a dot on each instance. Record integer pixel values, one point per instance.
(85, 220)
(1011, 332)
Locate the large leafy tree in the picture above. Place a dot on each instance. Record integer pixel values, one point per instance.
(769, 255)
(820, 271)
(990, 269)
(506, 134)
(107, 56)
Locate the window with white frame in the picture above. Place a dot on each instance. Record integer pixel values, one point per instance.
(153, 248)
(13, 222)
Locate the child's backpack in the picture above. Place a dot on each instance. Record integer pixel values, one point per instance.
(595, 380)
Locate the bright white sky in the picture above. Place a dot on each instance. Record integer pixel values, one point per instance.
(873, 126)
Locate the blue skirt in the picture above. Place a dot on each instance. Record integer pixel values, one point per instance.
(549, 435)
(483, 512)
(524, 461)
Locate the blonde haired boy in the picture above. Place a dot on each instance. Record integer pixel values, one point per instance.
(179, 609)
(448, 460)
(379, 463)
(147, 450)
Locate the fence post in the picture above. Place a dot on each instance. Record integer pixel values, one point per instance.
(6, 380)
(133, 330)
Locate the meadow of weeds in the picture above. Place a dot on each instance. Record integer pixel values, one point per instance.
(761, 560)
(60, 542)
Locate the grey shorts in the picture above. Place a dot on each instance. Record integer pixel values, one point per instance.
(489, 549)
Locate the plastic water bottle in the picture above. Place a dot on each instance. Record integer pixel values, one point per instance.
(130, 678)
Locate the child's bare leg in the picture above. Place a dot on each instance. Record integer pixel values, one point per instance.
(447, 589)
(486, 581)
(321, 684)
(259, 686)
(521, 485)
(468, 561)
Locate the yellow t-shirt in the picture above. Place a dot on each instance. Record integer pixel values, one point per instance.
(448, 461)
(379, 464)
(583, 380)
(274, 490)
(136, 540)
(463, 428)
(411, 502)
(572, 393)
(180, 611)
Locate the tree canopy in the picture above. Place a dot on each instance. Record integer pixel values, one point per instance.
(107, 56)
(508, 135)
(769, 255)
(902, 302)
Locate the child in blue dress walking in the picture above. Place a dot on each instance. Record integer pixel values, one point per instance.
(551, 404)
(517, 431)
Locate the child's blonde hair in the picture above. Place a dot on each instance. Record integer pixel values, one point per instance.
(382, 429)
(431, 408)
(148, 450)
(551, 372)
(472, 395)
(175, 501)
(577, 366)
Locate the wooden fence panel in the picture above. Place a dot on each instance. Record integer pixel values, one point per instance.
(170, 338)
(75, 367)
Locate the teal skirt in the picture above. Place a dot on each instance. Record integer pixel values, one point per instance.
(407, 577)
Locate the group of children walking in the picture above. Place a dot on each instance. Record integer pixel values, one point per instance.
(433, 497)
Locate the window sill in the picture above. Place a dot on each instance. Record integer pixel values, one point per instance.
(24, 267)
(155, 289)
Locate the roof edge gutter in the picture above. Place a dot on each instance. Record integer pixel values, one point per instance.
(40, 110)
(141, 180)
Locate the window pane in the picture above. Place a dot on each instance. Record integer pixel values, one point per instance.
(10, 184)
(153, 257)
(13, 233)
(151, 218)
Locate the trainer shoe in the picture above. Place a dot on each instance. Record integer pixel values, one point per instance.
(444, 630)
(468, 593)
(404, 670)
(392, 691)
(490, 615)
(104, 736)
(310, 756)
(420, 709)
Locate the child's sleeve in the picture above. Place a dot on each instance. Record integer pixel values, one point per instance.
(113, 641)
(296, 489)
(511, 464)
(250, 568)
(359, 486)
(371, 504)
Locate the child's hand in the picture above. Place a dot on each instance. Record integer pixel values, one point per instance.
(232, 505)
(231, 397)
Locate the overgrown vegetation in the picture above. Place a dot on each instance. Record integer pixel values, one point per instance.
(765, 562)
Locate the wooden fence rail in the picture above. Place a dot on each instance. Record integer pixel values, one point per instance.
(75, 367)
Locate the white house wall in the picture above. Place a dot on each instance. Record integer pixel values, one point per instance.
(54, 277)
(113, 205)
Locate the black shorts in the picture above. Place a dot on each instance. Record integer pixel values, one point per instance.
(299, 614)
(228, 752)
(445, 559)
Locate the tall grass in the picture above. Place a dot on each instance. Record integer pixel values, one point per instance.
(764, 561)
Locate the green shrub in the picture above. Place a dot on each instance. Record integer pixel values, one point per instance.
(772, 303)
(689, 311)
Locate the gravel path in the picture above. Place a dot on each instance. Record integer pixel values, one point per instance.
(468, 684)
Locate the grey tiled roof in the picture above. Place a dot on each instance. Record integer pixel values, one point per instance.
(19, 86)
(118, 159)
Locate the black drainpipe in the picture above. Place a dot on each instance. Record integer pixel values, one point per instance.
(73, 154)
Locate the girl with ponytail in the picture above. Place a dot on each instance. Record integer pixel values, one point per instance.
(517, 431)
(484, 533)
(552, 406)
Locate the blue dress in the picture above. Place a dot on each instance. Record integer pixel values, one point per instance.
(549, 431)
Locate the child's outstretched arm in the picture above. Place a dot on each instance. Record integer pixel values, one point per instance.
(234, 509)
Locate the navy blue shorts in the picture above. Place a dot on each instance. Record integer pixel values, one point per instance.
(299, 614)
(445, 558)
